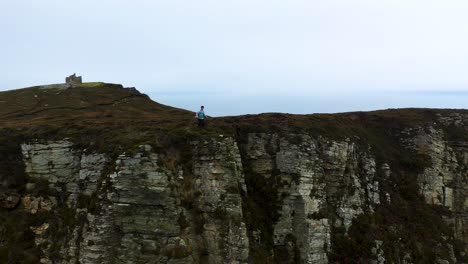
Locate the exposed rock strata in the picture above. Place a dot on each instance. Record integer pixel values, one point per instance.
(130, 210)
(445, 183)
(316, 175)
(147, 208)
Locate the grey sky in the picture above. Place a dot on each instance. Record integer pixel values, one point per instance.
(247, 56)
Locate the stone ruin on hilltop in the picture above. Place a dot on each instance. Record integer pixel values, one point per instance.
(73, 79)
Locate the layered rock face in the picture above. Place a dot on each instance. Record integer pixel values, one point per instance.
(133, 210)
(259, 198)
(316, 179)
(445, 183)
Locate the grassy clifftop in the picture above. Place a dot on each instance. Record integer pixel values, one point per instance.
(87, 103)
(109, 114)
(102, 114)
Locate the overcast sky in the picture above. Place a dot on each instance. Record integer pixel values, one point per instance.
(246, 56)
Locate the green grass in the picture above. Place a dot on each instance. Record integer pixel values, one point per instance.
(91, 85)
(122, 118)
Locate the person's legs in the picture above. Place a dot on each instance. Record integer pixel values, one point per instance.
(201, 122)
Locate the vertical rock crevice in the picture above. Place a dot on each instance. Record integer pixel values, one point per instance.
(219, 183)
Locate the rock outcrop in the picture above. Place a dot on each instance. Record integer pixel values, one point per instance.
(133, 210)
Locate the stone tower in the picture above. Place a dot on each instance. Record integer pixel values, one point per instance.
(73, 79)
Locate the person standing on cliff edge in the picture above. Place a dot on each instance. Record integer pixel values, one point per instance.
(201, 117)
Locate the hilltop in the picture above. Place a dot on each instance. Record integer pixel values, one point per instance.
(87, 103)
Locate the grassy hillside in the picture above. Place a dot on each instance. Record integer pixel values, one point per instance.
(88, 103)
(108, 115)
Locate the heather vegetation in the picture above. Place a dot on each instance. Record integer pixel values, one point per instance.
(110, 116)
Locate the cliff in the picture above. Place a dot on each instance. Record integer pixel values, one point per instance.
(98, 173)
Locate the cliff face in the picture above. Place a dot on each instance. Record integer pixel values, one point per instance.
(265, 198)
(252, 197)
(134, 210)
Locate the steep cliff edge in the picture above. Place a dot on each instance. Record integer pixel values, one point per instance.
(98, 173)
